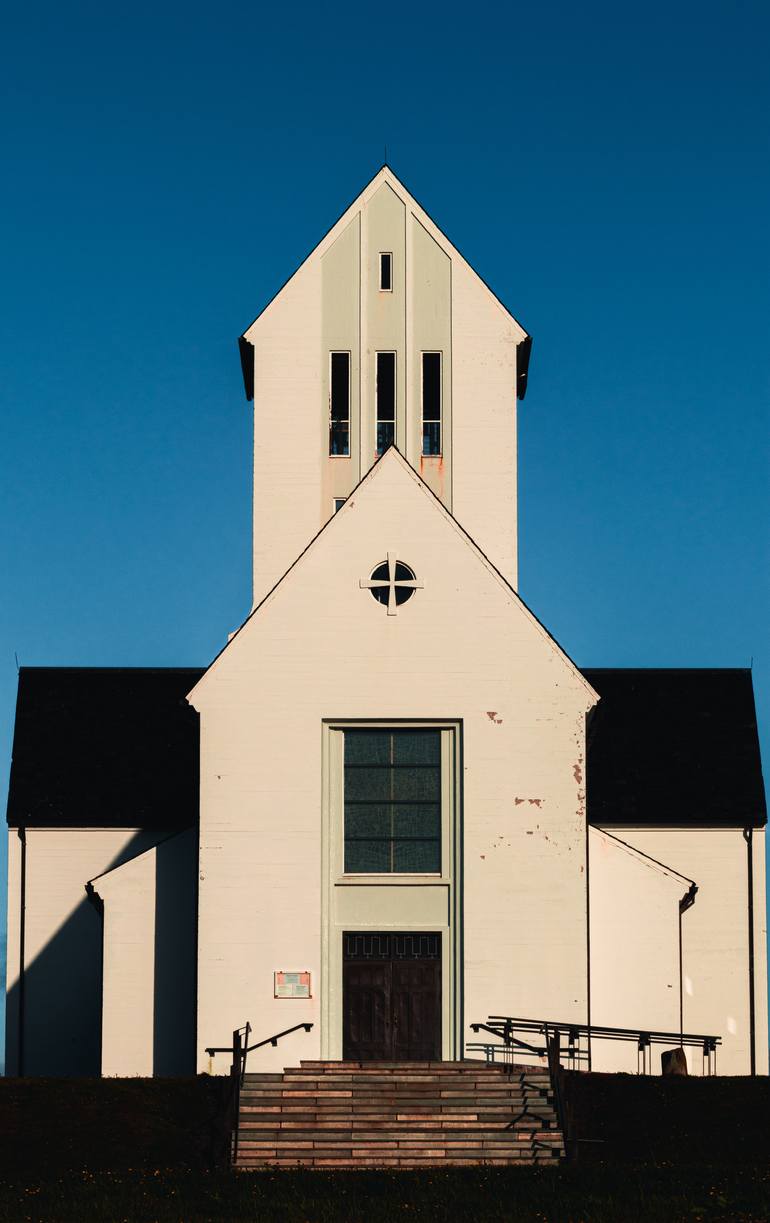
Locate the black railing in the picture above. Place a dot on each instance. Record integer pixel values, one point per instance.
(563, 1112)
(572, 1035)
(240, 1049)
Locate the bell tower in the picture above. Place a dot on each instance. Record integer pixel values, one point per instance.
(383, 336)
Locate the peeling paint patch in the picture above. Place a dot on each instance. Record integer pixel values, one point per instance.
(492, 715)
(519, 801)
(535, 802)
(577, 772)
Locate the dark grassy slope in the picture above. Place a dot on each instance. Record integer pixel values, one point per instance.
(519, 1195)
(681, 1121)
(143, 1151)
(55, 1126)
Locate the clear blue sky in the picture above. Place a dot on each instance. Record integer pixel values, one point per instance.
(166, 166)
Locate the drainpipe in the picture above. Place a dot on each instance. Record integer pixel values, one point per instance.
(748, 836)
(22, 834)
(686, 902)
(588, 941)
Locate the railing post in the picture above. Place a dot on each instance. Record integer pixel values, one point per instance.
(553, 1048)
(574, 1040)
(245, 1053)
(553, 1044)
(239, 1050)
(235, 1091)
(235, 1067)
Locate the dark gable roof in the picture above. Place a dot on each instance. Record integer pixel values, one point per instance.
(120, 747)
(102, 747)
(674, 747)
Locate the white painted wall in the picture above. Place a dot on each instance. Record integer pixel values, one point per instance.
(484, 465)
(464, 648)
(333, 302)
(715, 936)
(148, 991)
(62, 946)
(290, 432)
(128, 989)
(634, 923)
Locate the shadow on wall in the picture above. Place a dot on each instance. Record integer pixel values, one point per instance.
(59, 1005)
(57, 1010)
(176, 910)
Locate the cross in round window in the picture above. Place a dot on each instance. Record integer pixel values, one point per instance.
(391, 583)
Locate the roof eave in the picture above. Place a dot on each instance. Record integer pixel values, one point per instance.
(246, 350)
(523, 352)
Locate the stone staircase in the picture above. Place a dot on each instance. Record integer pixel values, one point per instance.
(407, 1115)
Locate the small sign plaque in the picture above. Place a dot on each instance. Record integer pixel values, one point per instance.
(291, 985)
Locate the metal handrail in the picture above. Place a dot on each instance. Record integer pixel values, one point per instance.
(240, 1049)
(504, 1026)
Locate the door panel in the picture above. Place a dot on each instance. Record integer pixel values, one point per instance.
(366, 1004)
(416, 1009)
(391, 997)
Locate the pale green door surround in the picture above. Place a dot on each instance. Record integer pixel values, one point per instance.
(431, 902)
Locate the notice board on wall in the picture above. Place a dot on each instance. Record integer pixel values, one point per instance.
(291, 984)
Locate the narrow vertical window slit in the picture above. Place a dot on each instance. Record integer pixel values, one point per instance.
(431, 403)
(386, 400)
(386, 272)
(339, 403)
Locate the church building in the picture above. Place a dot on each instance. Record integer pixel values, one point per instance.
(393, 805)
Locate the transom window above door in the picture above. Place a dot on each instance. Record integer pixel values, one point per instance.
(392, 787)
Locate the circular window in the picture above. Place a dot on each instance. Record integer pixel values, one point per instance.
(400, 583)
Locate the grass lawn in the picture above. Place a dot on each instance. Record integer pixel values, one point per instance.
(147, 1151)
(590, 1194)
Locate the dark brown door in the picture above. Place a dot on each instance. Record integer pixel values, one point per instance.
(391, 988)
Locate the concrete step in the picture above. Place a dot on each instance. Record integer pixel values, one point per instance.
(372, 1125)
(402, 1091)
(437, 1067)
(358, 1115)
(342, 1137)
(394, 1084)
(383, 1090)
(474, 1109)
(400, 1108)
(500, 1115)
(414, 1072)
(368, 1162)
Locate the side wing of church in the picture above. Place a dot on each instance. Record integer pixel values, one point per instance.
(392, 806)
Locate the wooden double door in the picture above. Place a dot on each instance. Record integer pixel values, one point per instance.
(391, 996)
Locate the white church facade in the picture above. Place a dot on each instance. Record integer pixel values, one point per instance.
(392, 806)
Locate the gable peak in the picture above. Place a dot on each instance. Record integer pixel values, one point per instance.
(386, 176)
